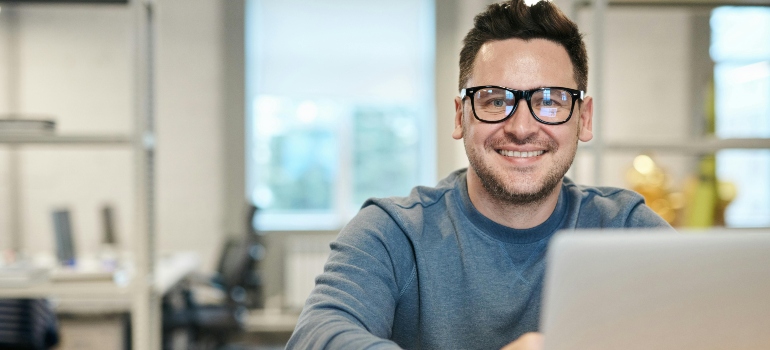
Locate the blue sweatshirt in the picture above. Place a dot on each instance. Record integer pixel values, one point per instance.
(429, 271)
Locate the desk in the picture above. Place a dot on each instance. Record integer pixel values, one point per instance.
(104, 296)
(270, 321)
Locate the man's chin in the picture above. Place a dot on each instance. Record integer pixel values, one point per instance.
(533, 191)
(528, 196)
(516, 185)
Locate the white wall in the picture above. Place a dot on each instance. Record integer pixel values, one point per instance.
(190, 139)
(454, 18)
(649, 60)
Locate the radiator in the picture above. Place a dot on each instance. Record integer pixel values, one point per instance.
(305, 257)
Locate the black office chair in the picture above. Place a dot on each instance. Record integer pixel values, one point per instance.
(27, 324)
(210, 326)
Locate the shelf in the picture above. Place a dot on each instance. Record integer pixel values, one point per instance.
(700, 146)
(677, 3)
(79, 289)
(73, 139)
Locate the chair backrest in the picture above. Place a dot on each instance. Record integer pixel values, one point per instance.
(236, 263)
(237, 271)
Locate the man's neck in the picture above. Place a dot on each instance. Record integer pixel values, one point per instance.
(518, 216)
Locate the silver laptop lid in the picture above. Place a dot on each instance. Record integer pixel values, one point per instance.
(642, 290)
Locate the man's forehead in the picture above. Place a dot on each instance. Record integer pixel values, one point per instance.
(529, 63)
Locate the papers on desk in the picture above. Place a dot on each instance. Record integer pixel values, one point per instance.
(70, 274)
(22, 275)
(169, 271)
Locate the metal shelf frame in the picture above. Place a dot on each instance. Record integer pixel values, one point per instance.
(671, 3)
(705, 145)
(145, 298)
(21, 140)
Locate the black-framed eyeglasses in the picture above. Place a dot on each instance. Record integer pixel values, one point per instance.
(549, 105)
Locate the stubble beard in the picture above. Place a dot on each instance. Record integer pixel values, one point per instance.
(496, 182)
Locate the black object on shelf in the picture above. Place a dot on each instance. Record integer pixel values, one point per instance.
(108, 225)
(65, 249)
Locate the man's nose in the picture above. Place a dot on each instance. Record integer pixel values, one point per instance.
(521, 124)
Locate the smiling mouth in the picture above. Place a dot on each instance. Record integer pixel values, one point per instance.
(517, 154)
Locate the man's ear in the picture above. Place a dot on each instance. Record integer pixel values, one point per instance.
(586, 120)
(457, 133)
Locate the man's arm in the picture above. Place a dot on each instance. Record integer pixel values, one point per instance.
(353, 303)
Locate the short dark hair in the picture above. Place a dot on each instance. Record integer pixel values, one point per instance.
(515, 19)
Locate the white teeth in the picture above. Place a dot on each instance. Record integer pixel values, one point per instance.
(518, 154)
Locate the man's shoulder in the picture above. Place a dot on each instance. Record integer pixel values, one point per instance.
(604, 206)
(422, 204)
(393, 222)
(421, 196)
(602, 194)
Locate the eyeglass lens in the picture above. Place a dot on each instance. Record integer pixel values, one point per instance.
(548, 104)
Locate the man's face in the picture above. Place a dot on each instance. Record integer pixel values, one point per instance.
(501, 154)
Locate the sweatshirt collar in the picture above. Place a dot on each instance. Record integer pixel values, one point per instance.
(505, 233)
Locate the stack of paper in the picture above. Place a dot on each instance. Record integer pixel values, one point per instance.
(22, 275)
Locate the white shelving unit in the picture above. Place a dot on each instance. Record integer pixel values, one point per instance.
(144, 296)
(694, 144)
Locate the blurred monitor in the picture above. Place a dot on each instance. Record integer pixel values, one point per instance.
(65, 249)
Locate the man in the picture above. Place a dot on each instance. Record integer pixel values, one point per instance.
(460, 265)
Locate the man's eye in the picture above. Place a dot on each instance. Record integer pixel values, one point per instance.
(498, 103)
(545, 102)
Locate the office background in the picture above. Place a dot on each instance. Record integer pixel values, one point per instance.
(74, 63)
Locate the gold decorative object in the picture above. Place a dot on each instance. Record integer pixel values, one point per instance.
(651, 181)
(701, 203)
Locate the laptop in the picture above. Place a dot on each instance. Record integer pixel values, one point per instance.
(610, 290)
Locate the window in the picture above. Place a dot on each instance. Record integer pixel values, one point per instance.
(740, 48)
(340, 107)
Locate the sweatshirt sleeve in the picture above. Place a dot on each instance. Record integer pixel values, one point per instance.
(354, 301)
